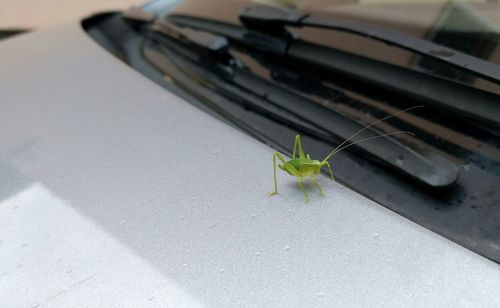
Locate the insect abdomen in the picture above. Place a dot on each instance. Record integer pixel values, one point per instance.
(305, 167)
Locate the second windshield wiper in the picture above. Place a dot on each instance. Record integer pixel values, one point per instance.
(272, 20)
(480, 107)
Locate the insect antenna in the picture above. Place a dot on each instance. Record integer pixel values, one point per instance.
(367, 139)
(341, 146)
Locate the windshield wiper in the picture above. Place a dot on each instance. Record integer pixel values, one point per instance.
(292, 109)
(464, 101)
(272, 20)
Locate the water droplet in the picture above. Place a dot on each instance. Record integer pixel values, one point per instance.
(375, 235)
(185, 265)
(69, 270)
(181, 217)
(59, 260)
(123, 221)
(287, 248)
(193, 199)
(348, 253)
(151, 298)
(253, 215)
(320, 294)
(222, 270)
(212, 226)
(257, 253)
(25, 244)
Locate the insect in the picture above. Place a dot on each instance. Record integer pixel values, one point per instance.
(303, 166)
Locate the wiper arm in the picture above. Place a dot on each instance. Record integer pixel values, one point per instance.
(467, 102)
(292, 109)
(268, 19)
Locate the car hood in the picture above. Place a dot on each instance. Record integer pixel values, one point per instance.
(115, 192)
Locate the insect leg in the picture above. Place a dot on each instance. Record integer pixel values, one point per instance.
(275, 192)
(301, 151)
(317, 186)
(298, 144)
(306, 196)
(288, 167)
(297, 139)
(330, 169)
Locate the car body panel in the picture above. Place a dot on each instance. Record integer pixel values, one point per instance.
(118, 193)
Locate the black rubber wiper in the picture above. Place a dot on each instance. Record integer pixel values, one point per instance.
(464, 101)
(272, 20)
(297, 111)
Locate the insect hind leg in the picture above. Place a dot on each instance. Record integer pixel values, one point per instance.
(287, 166)
(298, 144)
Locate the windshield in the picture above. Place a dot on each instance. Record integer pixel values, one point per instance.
(471, 27)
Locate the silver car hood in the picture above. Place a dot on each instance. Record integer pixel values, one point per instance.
(115, 192)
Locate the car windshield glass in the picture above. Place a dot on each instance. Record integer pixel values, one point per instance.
(471, 27)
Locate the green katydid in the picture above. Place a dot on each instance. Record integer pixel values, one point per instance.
(303, 166)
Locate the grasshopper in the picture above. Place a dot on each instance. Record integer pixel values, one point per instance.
(303, 166)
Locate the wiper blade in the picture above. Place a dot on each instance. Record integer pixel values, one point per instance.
(272, 20)
(464, 101)
(467, 102)
(425, 166)
(318, 121)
